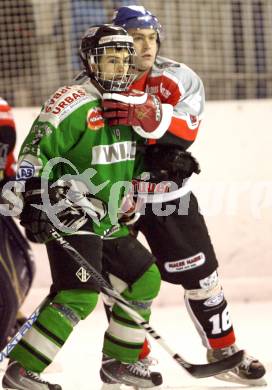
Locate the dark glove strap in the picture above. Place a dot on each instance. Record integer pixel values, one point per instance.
(33, 190)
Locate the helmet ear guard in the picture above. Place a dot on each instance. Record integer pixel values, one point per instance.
(95, 43)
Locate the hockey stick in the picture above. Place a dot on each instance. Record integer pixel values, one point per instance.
(196, 370)
(22, 330)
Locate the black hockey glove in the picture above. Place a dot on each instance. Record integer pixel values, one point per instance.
(38, 222)
(168, 162)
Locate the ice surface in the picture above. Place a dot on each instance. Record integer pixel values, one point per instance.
(77, 365)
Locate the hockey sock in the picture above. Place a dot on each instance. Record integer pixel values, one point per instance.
(145, 351)
(37, 349)
(124, 338)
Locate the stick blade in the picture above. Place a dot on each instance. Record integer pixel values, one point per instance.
(212, 369)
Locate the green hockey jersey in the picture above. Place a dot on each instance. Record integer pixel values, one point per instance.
(70, 126)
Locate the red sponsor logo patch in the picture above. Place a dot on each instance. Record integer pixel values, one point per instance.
(146, 187)
(95, 119)
(72, 97)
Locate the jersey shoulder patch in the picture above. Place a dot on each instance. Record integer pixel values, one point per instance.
(164, 63)
(63, 102)
(175, 70)
(64, 97)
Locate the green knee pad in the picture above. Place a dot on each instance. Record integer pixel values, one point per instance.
(141, 293)
(146, 287)
(82, 302)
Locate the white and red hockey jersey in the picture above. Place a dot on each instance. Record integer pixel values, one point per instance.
(180, 86)
(7, 139)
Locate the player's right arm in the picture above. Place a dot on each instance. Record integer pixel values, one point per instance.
(180, 86)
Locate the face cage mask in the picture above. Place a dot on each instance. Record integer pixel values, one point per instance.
(117, 83)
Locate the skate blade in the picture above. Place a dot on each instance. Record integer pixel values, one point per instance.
(144, 388)
(7, 388)
(234, 378)
(118, 386)
(53, 368)
(114, 386)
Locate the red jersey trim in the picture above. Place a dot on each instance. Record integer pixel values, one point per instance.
(9, 170)
(7, 122)
(140, 83)
(6, 117)
(223, 342)
(180, 129)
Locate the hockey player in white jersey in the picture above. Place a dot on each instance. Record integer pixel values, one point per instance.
(180, 241)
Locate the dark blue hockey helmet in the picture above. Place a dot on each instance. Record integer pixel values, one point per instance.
(137, 17)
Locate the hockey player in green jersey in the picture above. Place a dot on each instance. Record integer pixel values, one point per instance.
(71, 147)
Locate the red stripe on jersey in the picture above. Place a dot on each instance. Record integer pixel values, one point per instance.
(6, 118)
(223, 342)
(4, 107)
(7, 122)
(140, 83)
(9, 169)
(180, 128)
(164, 87)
